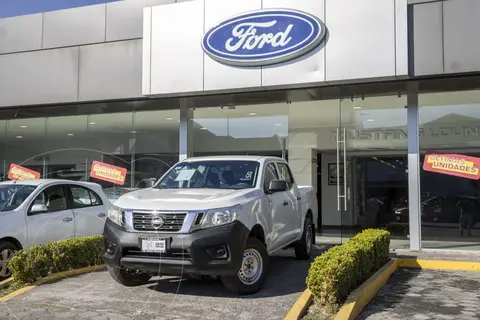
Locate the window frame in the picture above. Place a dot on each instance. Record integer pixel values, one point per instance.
(30, 206)
(264, 174)
(290, 184)
(71, 202)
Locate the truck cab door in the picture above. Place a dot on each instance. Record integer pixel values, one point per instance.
(294, 216)
(276, 210)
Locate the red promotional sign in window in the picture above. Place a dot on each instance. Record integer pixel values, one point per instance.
(107, 172)
(17, 172)
(452, 164)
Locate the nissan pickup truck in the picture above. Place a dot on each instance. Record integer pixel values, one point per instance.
(220, 216)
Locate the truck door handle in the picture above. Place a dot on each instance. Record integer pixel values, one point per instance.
(67, 219)
(285, 203)
(101, 215)
(299, 198)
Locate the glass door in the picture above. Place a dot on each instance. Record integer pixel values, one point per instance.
(345, 163)
(371, 152)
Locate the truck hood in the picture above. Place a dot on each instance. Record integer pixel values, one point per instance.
(184, 199)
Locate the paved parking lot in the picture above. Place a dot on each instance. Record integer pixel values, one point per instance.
(95, 296)
(427, 294)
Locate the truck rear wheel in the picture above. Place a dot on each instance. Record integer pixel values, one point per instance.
(128, 278)
(253, 272)
(303, 248)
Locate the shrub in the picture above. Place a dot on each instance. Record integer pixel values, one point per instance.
(337, 272)
(40, 261)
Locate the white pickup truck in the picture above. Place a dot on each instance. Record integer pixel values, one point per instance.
(217, 216)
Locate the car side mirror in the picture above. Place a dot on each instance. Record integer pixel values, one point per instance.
(39, 208)
(277, 186)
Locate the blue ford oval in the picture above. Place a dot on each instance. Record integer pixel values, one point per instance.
(263, 37)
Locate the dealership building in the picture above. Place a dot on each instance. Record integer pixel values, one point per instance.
(354, 93)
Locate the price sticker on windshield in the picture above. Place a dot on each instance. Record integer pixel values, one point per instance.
(17, 172)
(185, 175)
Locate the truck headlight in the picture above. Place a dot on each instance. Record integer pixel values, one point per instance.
(218, 217)
(115, 214)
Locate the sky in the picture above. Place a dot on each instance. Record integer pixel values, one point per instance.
(12, 8)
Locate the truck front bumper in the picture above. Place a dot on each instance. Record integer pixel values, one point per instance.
(213, 251)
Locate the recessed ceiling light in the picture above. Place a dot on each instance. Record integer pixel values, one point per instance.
(133, 131)
(278, 124)
(202, 128)
(370, 120)
(19, 137)
(357, 107)
(69, 134)
(168, 118)
(91, 123)
(253, 114)
(23, 126)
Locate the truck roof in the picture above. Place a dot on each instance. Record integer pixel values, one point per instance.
(249, 158)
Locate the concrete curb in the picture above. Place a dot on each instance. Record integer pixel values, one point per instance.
(362, 296)
(5, 283)
(300, 306)
(52, 278)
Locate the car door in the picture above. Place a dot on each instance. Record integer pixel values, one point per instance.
(56, 223)
(293, 210)
(276, 208)
(88, 209)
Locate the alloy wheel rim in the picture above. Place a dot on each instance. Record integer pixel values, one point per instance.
(5, 257)
(252, 267)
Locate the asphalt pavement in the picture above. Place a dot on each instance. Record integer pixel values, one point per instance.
(427, 295)
(96, 296)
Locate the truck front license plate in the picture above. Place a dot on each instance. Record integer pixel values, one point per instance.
(154, 245)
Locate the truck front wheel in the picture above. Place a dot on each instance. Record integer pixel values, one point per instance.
(128, 278)
(303, 248)
(253, 271)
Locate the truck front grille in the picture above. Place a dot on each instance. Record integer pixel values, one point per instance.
(173, 222)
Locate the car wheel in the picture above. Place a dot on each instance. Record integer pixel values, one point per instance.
(303, 248)
(253, 271)
(128, 278)
(7, 250)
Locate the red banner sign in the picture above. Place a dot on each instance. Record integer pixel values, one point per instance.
(452, 164)
(17, 172)
(107, 172)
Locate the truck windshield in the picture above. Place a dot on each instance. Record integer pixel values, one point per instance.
(13, 195)
(218, 174)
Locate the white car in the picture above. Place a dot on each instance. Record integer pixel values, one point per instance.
(39, 211)
(215, 216)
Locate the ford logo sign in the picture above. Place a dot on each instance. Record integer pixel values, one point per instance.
(263, 37)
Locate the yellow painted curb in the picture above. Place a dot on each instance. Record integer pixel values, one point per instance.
(361, 296)
(300, 306)
(439, 264)
(52, 278)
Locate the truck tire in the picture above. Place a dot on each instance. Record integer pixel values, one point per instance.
(128, 279)
(253, 272)
(7, 250)
(303, 248)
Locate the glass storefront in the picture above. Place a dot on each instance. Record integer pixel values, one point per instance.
(352, 150)
(450, 208)
(361, 178)
(144, 142)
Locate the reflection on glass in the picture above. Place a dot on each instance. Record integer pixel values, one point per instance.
(224, 174)
(13, 195)
(450, 209)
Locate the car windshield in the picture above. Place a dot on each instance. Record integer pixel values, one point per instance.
(218, 174)
(13, 195)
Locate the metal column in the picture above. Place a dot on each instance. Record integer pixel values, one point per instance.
(414, 200)
(185, 147)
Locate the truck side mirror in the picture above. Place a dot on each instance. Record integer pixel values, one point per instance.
(277, 185)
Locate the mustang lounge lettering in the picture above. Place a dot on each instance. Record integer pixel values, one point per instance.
(263, 37)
